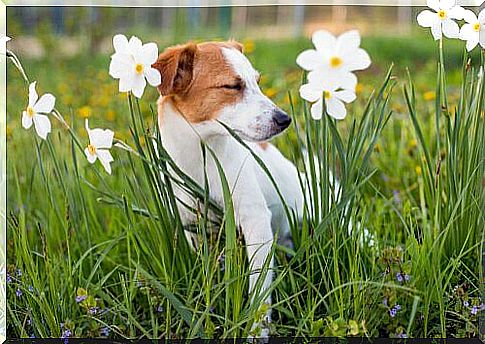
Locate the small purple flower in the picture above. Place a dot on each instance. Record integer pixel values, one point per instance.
(407, 277)
(29, 321)
(399, 277)
(465, 303)
(396, 197)
(393, 312)
(384, 301)
(93, 310)
(474, 310)
(62, 326)
(482, 307)
(211, 309)
(18, 293)
(9, 278)
(105, 331)
(402, 335)
(66, 334)
(19, 273)
(159, 309)
(397, 307)
(32, 335)
(81, 298)
(31, 289)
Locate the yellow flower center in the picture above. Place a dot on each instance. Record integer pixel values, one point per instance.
(30, 111)
(327, 94)
(476, 27)
(442, 14)
(139, 68)
(335, 62)
(91, 149)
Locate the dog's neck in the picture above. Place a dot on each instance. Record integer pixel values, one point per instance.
(181, 138)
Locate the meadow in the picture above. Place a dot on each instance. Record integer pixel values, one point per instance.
(93, 255)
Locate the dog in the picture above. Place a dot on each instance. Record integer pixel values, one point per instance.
(207, 83)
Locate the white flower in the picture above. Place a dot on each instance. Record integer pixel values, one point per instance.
(3, 44)
(35, 108)
(335, 57)
(473, 31)
(441, 21)
(100, 141)
(132, 63)
(335, 97)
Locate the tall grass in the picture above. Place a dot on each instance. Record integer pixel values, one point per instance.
(117, 243)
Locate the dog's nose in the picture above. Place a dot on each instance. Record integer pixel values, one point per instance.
(281, 119)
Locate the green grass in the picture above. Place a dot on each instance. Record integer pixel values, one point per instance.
(410, 174)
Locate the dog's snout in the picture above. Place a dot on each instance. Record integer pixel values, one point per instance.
(281, 119)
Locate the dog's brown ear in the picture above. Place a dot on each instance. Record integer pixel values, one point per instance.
(235, 44)
(176, 66)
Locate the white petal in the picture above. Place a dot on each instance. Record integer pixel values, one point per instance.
(433, 4)
(153, 76)
(450, 28)
(447, 4)
(427, 18)
(138, 85)
(45, 104)
(482, 40)
(317, 109)
(332, 79)
(121, 65)
(134, 44)
(436, 30)
(349, 40)
(126, 82)
(324, 41)
(470, 17)
(120, 43)
(105, 158)
(481, 17)
(310, 92)
(472, 42)
(359, 60)
(336, 108)
(91, 157)
(32, 94)
(42, 125)
(148, 54)
(309, 60)
(456, 12)
(345, 95)
(26, 120)
(100, 138)
(466, 32)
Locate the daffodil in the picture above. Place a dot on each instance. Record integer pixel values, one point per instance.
(441, 21)
(335, 58)
(316, 91)
(36, 110)
(3, 44)
(132, 64)
(100, 141)
(473, 32)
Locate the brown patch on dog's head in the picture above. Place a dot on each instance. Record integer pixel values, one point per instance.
(197, 80)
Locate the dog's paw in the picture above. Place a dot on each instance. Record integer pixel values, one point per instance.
(259, 333)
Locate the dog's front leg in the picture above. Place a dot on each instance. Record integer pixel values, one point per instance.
(254, 218)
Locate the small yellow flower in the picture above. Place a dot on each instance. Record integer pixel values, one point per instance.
(359, 88)
(429, 95)
(418, 170)
(270, 92)
(110, 115)
(85, 111)
(248, 46)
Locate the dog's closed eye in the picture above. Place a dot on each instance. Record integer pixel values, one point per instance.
(237, 86)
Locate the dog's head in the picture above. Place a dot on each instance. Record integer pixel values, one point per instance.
(215, 81)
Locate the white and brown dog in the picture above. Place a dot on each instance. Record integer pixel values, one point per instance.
(210, 82)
